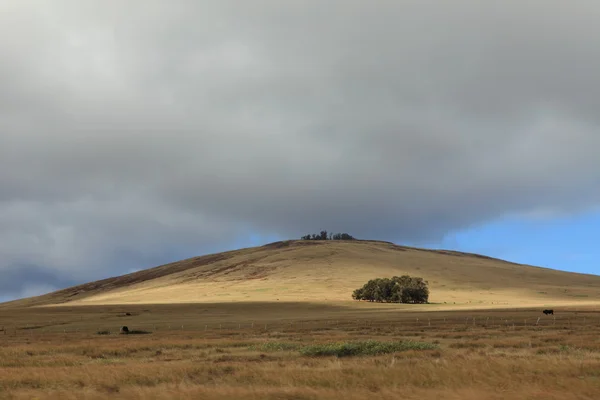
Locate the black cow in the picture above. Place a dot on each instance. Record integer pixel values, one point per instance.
(124, 330)
(547, 312)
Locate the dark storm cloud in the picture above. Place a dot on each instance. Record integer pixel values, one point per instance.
(29, 280)
(128, 133)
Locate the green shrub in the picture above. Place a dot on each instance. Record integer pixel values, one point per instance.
(363, 348)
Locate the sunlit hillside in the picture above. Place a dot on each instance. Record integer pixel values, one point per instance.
(319, 271)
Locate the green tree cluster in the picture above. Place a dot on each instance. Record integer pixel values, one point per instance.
(323, 235)
(398, 289)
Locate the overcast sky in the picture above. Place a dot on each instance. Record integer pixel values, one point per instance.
(135, 133)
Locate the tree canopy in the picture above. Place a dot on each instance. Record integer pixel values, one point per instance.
(323, 235)
(398, 289)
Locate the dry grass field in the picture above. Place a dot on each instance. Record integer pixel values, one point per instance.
(298, 351)
(328, 271)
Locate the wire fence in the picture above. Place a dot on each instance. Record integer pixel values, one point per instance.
(289, 326)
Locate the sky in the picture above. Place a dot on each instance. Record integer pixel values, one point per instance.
(133, 136)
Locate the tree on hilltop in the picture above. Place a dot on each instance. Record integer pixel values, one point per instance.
(324, 235)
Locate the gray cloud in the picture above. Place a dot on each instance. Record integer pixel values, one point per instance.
(29, 280)
(136, 135)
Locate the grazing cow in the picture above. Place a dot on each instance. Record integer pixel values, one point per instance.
(548, 312)
(124, 330)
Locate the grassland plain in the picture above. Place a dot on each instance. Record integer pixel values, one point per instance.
(298, 351)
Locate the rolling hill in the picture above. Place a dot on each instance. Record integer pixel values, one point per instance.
(328, 271)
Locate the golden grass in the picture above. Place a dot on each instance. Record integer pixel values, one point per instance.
(308, 271)
(250, 351)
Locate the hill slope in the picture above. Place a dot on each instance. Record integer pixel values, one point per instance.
(329, 271)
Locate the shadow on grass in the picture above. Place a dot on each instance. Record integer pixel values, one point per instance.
(137, 332)
(131, 332)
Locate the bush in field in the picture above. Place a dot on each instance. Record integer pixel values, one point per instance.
(345, 349)
(398, 289)
(363, 348)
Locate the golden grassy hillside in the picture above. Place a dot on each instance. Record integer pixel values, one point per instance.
(329, 271)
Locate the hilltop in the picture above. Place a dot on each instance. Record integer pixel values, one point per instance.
(328, 271)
